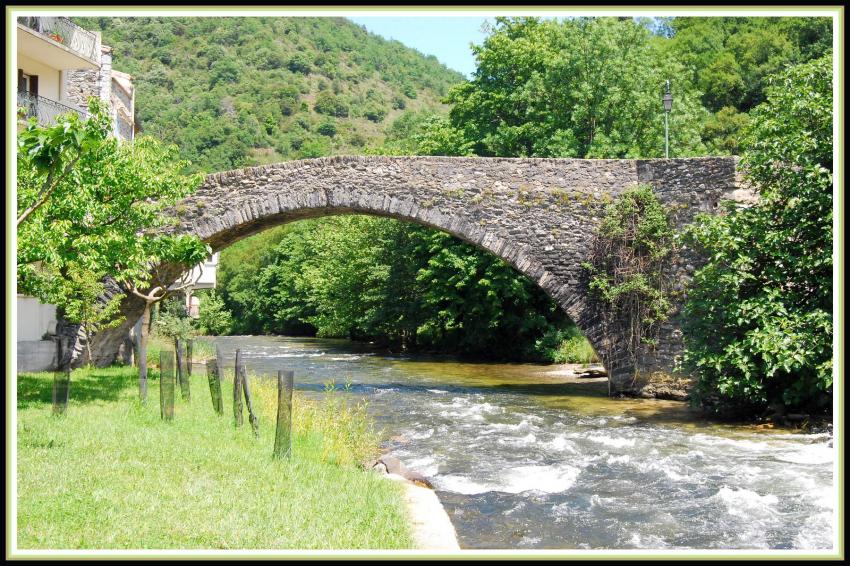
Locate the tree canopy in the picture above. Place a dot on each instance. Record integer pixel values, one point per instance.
(759, 316)
(89, 207)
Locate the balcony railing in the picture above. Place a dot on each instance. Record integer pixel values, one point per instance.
(43, 109)
(66, 32)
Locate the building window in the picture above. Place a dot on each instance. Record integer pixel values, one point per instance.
(27, 83)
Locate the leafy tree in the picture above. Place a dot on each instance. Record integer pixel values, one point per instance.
(330, 104)
(587, 87)
(213, 317)
(173, 320)
(89, 207)
(729, 58)
(300, 63)
(723, 132)
(327, 128)
(83, 304)
(759, 314)
(224, 71)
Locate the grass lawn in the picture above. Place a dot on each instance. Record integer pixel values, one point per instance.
(110, 474)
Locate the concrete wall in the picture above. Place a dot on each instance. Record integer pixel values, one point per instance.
(34, 319)
(39, 355)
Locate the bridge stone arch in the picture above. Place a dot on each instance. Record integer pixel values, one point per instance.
(538, 215)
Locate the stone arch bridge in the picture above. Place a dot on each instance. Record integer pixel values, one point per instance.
(539, 215)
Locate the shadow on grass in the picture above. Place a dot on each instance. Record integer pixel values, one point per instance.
(87, 386)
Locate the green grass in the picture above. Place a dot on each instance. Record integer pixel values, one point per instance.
(201, 349)
(111, 474)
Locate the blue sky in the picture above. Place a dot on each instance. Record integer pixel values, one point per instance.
(445, 37)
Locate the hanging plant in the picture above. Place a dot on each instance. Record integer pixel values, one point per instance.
(628, 267)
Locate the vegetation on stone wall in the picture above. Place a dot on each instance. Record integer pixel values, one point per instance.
(759, 326)
(629, 267)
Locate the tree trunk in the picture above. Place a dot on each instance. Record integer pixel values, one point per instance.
(88, 345)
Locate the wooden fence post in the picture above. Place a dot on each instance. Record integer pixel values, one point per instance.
(214, 378)
(252, 417)
(283, 434)
(182, 377)
(237, 391)
(61, 380)
(166, 385)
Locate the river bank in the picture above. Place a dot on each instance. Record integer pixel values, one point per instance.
(110, 474)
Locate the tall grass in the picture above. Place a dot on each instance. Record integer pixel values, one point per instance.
(201, 349)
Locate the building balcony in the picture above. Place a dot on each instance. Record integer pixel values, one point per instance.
(43, 109)
(58, 42)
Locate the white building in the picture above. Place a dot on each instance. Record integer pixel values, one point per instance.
(202, 276)
(60, 66)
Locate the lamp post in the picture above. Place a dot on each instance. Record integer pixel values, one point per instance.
(667, 99)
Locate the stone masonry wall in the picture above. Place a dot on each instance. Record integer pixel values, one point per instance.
(83, 84)
(539, 215)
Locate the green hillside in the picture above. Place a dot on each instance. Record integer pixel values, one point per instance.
(232, 92)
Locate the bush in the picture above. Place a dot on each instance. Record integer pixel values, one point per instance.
(329, 104)
(327, 129)
(299, 63)
(375, 113)
(214, 318)
(759, 325)
(564, 346)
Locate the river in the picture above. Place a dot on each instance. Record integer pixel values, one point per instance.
(523, 456)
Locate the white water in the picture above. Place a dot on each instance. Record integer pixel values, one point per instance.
(520, 464)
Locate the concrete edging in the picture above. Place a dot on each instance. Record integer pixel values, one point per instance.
(431, 526)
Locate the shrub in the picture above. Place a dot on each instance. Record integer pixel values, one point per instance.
(329, 104)
(758, 328)
(327, 128)
(299, 63)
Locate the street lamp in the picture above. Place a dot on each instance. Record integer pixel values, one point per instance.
(667, 99)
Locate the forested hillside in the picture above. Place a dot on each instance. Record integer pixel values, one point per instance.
(232, 92)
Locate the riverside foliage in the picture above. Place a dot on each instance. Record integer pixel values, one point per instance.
(759, 325)
(390, 282)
